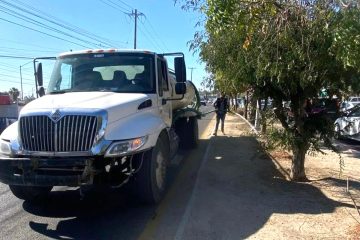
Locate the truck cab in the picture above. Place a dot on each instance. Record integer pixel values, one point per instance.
(109, 117)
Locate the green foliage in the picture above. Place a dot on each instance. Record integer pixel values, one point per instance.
(14, 93)
(285, 50)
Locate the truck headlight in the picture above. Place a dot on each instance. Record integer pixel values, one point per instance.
(5, 148)
(125, 147)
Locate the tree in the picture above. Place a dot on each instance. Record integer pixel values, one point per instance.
(288, 51)
(14, 93)
(28, 99)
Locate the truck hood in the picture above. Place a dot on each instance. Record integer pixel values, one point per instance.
(118, 105)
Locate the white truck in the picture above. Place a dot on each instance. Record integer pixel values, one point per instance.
(108, 117)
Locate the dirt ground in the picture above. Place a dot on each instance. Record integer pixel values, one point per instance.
(329, 176)
(242, 192)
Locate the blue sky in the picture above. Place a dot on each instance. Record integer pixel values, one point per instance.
(164, 27)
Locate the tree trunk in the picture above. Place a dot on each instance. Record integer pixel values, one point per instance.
(246, 105)
(253, 110)
(298, 163)
(263, 117)
(236, 103)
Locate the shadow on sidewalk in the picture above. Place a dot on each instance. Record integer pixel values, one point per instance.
(113, 214)
(240, 189)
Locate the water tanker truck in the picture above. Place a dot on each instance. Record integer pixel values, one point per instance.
(108, 118)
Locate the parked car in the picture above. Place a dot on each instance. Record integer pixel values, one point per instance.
(346, 106)
(321, 106)
(354, 100)
(348, 125)
(327, 106)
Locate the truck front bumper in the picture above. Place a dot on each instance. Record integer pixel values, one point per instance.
(74, 171)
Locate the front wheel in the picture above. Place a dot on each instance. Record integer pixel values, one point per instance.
(30, 193)
(150, 181)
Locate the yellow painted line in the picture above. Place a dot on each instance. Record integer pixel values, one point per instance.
(152, 225)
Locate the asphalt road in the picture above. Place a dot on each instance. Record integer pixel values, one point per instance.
(109, 215)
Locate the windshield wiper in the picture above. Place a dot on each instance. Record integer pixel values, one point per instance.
(58, 92)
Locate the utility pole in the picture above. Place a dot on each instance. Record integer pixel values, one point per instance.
(22, 91)
(191, 68)
(21, 80)
(136, 15)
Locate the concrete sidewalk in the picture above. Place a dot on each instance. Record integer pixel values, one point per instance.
(239, 193)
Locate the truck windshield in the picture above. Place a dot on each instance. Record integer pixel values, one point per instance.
(125, 73)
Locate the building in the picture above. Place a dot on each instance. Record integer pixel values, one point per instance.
(9, 111)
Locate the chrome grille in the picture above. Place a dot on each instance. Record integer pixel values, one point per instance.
(72, 133)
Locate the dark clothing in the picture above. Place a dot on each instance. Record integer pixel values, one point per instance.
(218, 118)
(221, 105)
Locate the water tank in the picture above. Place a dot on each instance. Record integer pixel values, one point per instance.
(189, 97)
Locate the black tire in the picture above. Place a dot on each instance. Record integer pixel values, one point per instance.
(30, 193)
(151, 179)
(188, 132)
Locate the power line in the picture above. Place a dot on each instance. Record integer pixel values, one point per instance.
(15, 82)
(133, 13)
(51, 19)
(12, 71)
(29, 44)
(117, 5)
(28, 50)
(8, 65)
(112, 6)
(153, 29)
(65, 24)
(6, 69)
(18, 24)
(151, 38)
(10, 76)
(125, 4)
(136, 15)
(15, 57)
(37, 23)
(40, 24)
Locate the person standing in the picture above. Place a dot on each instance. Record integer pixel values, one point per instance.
(221, 108)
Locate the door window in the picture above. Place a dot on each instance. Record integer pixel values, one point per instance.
(163, 78)
(355, 113)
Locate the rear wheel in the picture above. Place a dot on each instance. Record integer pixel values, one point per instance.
(30, 193)
(188, 132)
(150, 182)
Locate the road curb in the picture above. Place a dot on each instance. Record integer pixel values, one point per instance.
(276, 163)
(251, 126)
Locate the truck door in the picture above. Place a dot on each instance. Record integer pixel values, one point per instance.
(165, 107)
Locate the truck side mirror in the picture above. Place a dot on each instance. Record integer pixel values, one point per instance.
(39, 74)
(180, 69)
(41, 91)
(180, 88)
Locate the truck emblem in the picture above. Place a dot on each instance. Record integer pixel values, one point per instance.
(55, 115)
